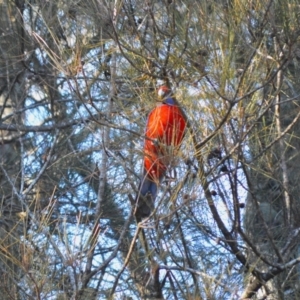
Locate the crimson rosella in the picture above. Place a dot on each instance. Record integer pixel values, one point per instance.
(164, 133)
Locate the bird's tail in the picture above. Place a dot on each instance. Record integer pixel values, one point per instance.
(145, 197)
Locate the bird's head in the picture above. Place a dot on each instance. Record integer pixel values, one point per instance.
(163, 92)
(165, 95)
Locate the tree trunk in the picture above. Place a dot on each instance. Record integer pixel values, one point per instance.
(13, 92)
(273, 204)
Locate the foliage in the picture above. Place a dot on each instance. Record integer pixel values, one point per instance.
(78, 80)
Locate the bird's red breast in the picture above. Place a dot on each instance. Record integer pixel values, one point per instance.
(164, 133)
(165, 127)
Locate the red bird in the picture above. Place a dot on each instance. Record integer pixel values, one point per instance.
(164, 133)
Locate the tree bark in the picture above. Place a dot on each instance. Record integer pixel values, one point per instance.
(12, 95)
